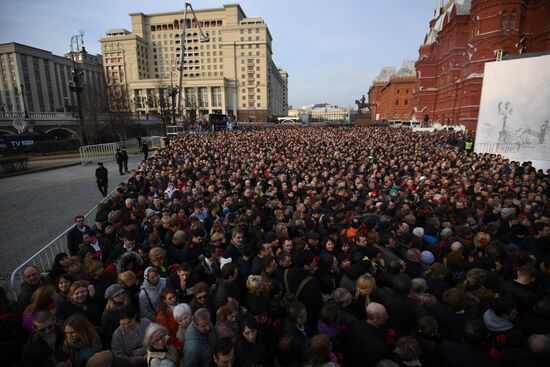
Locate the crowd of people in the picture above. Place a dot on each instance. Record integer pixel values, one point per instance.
(308, 246)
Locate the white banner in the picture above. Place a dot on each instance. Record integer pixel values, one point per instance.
(514, 112)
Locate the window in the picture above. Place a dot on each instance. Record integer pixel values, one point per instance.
(396, 102)
(406, 102)
(512, 22)
(503, 22)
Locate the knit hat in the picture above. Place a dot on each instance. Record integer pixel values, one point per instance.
(181, 310)
(427, 258)
(418, 232)
(113, 291)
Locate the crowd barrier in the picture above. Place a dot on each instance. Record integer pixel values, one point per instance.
(107, 151)
(44, 258)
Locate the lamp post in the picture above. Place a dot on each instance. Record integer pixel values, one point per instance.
(77, 85)
(204, 37)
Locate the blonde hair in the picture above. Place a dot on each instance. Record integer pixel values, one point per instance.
(112, 305)
(254, 284)
(75, 286)
(91, 266)
(127, 277)
(365, 285)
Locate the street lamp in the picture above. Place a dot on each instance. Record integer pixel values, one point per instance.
(77, 85)
(204, 37)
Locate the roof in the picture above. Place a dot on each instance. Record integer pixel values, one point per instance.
(385, 74)
(407, 69)
(462, 8)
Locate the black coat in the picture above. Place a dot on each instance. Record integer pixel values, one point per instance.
(74, 239)
(102, 175)
(310, 295)
(37, 353)
(367, 344)
(403, 312)
(452, 354)
(301, 339)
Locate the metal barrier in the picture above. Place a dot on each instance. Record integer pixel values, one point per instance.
(93, 153)
(44, 258)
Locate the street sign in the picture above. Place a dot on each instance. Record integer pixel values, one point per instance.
(19, 124)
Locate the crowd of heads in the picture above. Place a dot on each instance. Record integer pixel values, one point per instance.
(302, 246)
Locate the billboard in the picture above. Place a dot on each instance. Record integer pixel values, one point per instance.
(514, 111)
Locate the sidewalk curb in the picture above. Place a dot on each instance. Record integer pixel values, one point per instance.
(27, 171)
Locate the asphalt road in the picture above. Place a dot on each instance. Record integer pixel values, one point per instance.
(36, 207)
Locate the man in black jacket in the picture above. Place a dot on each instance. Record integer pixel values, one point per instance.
(299, 281)
(367, 339)
(45, 345)
(102, 178)
(74, 236)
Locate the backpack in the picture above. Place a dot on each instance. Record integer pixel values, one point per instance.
(292, 297)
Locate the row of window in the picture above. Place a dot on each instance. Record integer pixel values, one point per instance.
(508, 26)
(190, 24)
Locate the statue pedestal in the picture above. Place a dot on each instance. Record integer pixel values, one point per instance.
(362, 120)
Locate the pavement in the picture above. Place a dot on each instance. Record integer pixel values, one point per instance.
(40, 203)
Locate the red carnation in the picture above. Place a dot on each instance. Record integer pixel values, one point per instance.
(501, 339)
(494, 353)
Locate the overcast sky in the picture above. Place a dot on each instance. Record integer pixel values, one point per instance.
(332, 50)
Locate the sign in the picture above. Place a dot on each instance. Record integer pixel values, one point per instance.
(514, 112)
(19, 124)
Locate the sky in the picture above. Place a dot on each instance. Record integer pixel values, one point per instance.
(332, 50)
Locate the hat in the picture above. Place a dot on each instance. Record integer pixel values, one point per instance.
(226, 210)
(427, 258)
(511, 247)
(113, 291)
(150, 212)
(270, 237)
(418, 232)
(100, 218)
(181, 310)
(393, 191)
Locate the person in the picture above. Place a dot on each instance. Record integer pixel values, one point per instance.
(199, 340)
(127, 342)
(31, 282)
(125, 159)
(183, 316)
(367, 341)
(320, 352)
(80, 302)
(45, 345)
(159, 352)
(82, 343)
(165, 316)
(227, 320)
(294, 326)
(102, 178)
(43, 299)
(74, 236)
(250, 350)
(224, 353)
(120, 161)
(145, 149)
(117, 299)
(149, 296)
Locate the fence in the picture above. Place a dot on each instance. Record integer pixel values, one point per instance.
(93, 153)
(44, 258)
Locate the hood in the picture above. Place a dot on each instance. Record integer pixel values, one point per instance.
(495, 323)
(148, 286)
(126, 258)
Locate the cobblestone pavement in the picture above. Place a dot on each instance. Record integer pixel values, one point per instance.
(37, 207)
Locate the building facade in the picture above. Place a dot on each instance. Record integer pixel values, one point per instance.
(36, 81)
(463, 36)
(231, 73)
(390, 94)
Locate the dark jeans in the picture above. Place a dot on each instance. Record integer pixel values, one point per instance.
(120, 168)
(102, 186)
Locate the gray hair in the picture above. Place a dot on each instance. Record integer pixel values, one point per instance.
(181, 310)
(150, 331)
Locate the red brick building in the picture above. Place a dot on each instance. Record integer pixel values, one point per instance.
(391, 92)
(463, 36)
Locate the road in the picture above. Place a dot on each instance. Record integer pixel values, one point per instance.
(36, 207)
